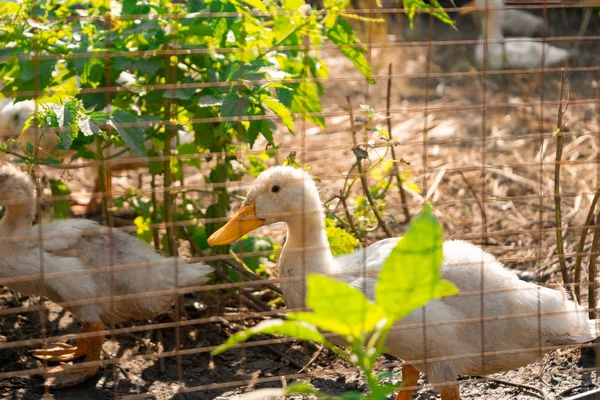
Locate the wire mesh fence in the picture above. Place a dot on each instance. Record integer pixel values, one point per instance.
(160, 119)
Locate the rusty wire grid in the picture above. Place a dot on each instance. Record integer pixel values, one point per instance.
(480, 144)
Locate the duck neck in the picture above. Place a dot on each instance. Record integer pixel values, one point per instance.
(492, 24)
(306, 251)
(17, 220)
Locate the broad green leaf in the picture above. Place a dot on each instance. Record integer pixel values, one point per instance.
(252, 245)
(278, 108)
(412, 6)
(303, 99)
(381, 391)
(189, 149)
(9, 9)
(181, 94)
(411, 276)
(132, 135)
(234, 105)
(342, 34)
(84, 152)
(340, 308)
(293, 5)
(256, 127)
(61, 207)
(87, 126)
(63, 119)
(199, 236)
(305, 388)
(294, 329)
(155, 166)
(258, 4)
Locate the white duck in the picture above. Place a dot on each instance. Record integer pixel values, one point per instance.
(451, 339)
(514, 22)
(521, 23)
(13, 116)
(72, 249)
(513, 53)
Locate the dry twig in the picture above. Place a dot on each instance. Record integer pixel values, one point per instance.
(584, 230)
(592, 272)
(559, 148)
(479, 204)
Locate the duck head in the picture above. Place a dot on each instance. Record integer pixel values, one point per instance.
(279, 194)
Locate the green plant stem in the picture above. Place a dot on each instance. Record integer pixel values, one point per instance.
(557, 208)
(386, 188)
(167, 195)
(102, 180)
(399, 180)
(349, 217)
(363, 178)
(155, 235)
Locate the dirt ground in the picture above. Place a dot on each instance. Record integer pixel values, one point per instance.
(505, 152)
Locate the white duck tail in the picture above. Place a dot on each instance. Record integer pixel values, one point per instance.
(193, 274)
(574, 322)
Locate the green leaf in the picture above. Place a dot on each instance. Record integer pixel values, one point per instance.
(411, 276)
(252, 245)
(189, 149)
(84, 152)
(411, 6)
(132, 135)
(199, 236)
(258, 4)
(294, 329)
(381, 391)
(342, 34)
(155, 167)
(61, 118)
(234, 105)
(260, 126)
(303, 98)
(339, 308)
(278, 108)
(293, 5)
(87, 126)
(304, 388)
(61, 207)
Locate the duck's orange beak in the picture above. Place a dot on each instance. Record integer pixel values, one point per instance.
(244, 221)
(467, 8)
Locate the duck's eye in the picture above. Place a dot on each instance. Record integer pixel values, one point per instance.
(275, 188)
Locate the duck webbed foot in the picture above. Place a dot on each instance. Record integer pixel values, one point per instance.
(63, 352)
(61, 378)
(451, 393)
(60, 352)
(410, 377)
(65, 376)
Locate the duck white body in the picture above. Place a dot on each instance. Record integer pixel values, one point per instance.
(506, 316)
(521, 23)
(511, 53)
(72, 249)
